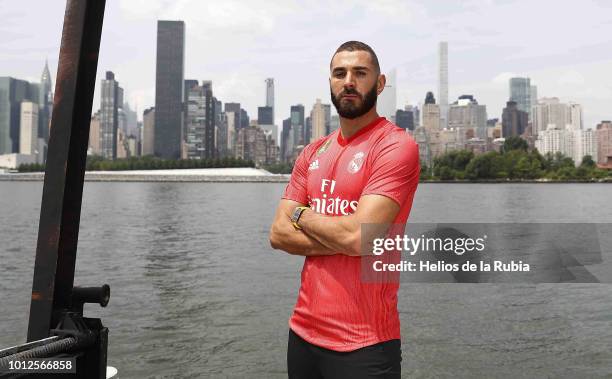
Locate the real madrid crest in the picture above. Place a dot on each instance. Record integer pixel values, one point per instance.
(355, 164)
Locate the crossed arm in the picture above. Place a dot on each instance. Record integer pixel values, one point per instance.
(329, 235)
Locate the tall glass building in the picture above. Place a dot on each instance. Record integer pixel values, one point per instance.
(270, 96)
(111, 101)
(298, 124)
(443, 83)
(520, 93)
(169, 93)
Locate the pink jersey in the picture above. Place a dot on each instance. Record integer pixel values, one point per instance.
(335, 309)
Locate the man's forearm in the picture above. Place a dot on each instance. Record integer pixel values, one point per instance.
(338, 233)
(285, 237)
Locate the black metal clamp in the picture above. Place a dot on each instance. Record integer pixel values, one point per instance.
(93, 295)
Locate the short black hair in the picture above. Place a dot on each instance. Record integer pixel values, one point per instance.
(358, 46)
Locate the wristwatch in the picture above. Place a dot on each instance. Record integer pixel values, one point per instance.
(297, 213)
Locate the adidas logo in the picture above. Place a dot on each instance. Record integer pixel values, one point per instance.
(314, 165)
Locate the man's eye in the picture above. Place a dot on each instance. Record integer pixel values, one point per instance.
(360, 73)
(339, 74)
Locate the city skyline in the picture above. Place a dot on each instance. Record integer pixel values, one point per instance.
(255, 44)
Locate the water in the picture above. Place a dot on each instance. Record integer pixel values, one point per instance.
(197, 292)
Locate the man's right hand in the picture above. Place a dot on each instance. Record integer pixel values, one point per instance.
(284, 236)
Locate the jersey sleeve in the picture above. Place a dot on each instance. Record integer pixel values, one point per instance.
(395, 169)
(296, 189)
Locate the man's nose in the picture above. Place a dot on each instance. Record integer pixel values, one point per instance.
(349, 80)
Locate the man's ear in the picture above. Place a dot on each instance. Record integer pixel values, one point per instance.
(382, 80)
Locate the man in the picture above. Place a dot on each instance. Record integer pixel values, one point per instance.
(366, 172)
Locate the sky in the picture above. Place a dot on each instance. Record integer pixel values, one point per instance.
(564, 47)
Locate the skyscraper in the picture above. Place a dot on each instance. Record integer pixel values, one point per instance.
(520, 93)
(45, 99)
(110, 103)
(199, 120)
(415, 114)
(131, 120)
(230, 119)
(93, 146)
(220, 124)
(286, 144)
(317, 118)
(467, 114)
(244, 118)
(533, 95)
(443, 83)
(234, 109)
(549, 110)
(265, 115)
(574, 113)
(327, 111)
(297, 124)
(169, 88)
(307, 130)
(210, 147)
(187, 85)
(12, 93)
(387, 104)
(404, 119)
(148, 131)
(28, 135)
(252, 143)
(431, 113)
(270, 96)
(514, 120)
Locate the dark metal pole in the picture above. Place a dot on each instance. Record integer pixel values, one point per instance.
(60, 212)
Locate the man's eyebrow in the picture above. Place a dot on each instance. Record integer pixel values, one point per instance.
(354, 68)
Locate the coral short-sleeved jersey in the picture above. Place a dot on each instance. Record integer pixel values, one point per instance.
(335, 309)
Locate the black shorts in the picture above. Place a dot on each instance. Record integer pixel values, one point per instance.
(306, 361)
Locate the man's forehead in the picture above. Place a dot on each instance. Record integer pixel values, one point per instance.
(349, 59)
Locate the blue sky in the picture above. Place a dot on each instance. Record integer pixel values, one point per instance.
(564, 47)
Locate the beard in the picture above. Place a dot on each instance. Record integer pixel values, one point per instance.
(350, 110)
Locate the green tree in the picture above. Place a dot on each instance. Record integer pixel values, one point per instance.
(566, 173)
(461, 159)
(514, 143)
(483, 166)
(446, 173)
(522, 169)
(424, 175)
(588, 162)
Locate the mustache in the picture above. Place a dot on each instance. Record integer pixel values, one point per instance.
(349, 92)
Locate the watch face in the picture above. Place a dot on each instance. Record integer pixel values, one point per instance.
(296, 214)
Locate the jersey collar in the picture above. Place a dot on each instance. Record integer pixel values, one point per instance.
(343, 142)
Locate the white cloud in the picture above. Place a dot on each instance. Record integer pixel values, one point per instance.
(231, 16)
(598, 92)
(237, 44)
(504, 78)
(396, 10)
(240, 86)
(571, 77)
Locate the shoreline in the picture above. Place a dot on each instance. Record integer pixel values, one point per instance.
(106, 176)
(94, 177)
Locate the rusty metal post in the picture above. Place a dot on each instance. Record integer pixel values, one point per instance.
(60, 212)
